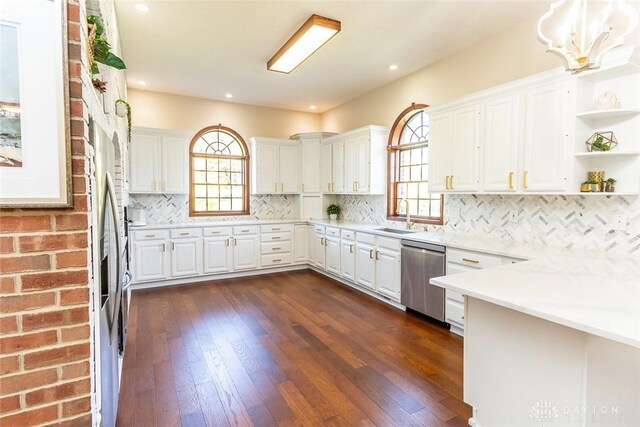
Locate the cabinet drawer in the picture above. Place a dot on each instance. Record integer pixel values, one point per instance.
(275, 237)
(275, 259)
(366, 238)
(275, 247)
(271, 228)
(150, 234)
(319, 229)
(247, 229)
(185, 232)
(473, 259)
(455, 296)
(216, 231)
(333, 231)
(389, 243)
(348, 234)
(457, 268)
(454, 312)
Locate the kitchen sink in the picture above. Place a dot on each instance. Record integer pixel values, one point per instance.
(395, 230)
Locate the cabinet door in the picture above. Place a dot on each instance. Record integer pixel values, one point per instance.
(186, 257)
(311, 242)
(337, 166)
(175, 176)
(388, 273)
(545, 138)
(348, 260)
(333, 255)
(300, 245)
(465, 145)
(365, 265)
(363, 148)
(217, 255)
(320, 252)
(440, 152)
(502, 136)
(351, 166)
(288, 163)
(150, 260)
(267, 168)
(145, 163)
(326, 167)
(245, 252)
(310, 165)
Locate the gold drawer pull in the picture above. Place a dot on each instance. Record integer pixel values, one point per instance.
(524, 179)
(215, 232)
(275, 238)
(276, 229)
(473, 261)
(184, 234)
(149, 235)
(510, 180)
(276, 249)
(350, 249)
(277, 260)
(244, 231)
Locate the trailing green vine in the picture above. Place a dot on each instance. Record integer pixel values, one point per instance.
(128, 107)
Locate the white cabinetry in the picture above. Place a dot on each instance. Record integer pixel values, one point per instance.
(319, 247)
(274, 169)
(545, 138)
(218, 257)
(348, 255)
(332, 250)
(186, 257)
(275, 246)
(378, 264)
(352, 161)
(455, 144)
(311, 177)
(300, 243)
(150, 260)
(159, 161)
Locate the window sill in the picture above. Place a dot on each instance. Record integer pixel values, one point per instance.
(417, 220)
(214, 214)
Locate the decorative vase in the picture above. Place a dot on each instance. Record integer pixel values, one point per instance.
(121, 109)
(333, 217)
(595, 188)
(585, 188)
(609, 188)
(599, 177)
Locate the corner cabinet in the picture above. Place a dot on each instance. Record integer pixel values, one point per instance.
(354, 162)
(274, 166)
(159, 161)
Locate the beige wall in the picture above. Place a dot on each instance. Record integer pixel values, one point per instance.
(166, 111)
(508, 55)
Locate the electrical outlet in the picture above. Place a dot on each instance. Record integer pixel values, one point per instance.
(513, 216)
(620, 222)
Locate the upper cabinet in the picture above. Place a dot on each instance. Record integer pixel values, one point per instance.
(354, 162)
(309, 162)
(159, 161)
(274, 166)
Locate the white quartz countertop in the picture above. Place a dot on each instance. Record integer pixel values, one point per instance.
(598, 294)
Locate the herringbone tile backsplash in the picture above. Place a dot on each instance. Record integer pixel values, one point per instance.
(584, 222)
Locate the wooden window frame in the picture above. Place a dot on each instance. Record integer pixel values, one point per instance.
(393, 170)
(246, 163)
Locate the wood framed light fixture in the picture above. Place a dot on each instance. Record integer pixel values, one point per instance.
(303, 43)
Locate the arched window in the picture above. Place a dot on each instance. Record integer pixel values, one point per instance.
(409, 169)
(219, 173)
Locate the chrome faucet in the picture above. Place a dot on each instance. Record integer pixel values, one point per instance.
(409, 223)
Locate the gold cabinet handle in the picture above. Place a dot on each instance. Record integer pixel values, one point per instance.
(226, 242)
(173, 246)
(473, 261)
(322, 241)
(164, 247)
(277, 260)
(328, 186)
(350, 249)
(377, 255)
(282, 187)
(353, 186)
(357, 185)
(303, 187)
(371, 254)
(275, 238)
(184, 234)
(275, 186)
(244, 231)
(276, 249)
(215, 232)
(524, 178)
(446, 182)
(510, 180)
(451, 182)
(149, 235)
(275, 229)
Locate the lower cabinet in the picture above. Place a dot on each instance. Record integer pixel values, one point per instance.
(300, 243)
(332, 245)
(150, 260)
(388, 272)
(378, 264)
(365, 265)
(245, 252)
(319, 251)
(186, 257)
(218, 257)
(348, 260)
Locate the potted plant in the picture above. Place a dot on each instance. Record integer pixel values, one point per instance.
(585, 187)
(123, 109)
(333, 211)
(610, 185)
(593, 185)
(599, 145)
(99, 51)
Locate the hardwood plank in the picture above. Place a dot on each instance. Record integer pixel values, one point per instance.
(285, 349)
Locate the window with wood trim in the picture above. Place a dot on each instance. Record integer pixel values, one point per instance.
(408, 176)
(219, 173)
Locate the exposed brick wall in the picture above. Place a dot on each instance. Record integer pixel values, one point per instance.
(44, 289)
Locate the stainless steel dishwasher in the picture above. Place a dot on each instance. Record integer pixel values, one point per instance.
(421, 262)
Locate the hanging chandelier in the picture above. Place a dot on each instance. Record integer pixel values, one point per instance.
(582, 31)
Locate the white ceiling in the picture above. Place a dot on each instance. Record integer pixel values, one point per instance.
(209, 48)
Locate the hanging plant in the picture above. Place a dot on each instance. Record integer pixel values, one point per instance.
(99, 51)
(127, 112)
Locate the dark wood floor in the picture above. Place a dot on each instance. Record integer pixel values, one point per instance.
(285, 349)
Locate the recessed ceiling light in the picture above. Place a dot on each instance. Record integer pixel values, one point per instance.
(393, 67)
(142, 7)
(228, 95)
(142, 83)
(313, 107)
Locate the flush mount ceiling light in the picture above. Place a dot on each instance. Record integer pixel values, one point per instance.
(228, 95)
(310, 37)
(393, 67)
(581, 31)
(142, 7)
